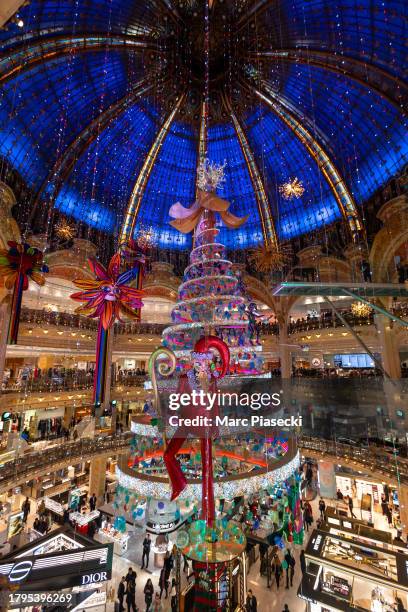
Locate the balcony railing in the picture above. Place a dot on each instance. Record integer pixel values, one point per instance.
(67, 319)
(68, 380)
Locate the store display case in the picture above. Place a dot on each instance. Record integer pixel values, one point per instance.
(159, 548)
(110, 534)
(81, 521)
(345, 574)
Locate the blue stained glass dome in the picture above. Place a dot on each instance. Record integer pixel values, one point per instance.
(90, 115)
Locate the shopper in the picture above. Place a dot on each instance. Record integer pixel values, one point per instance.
(163, 582)
(148, 593)
(156, 605)
(26, 509)
(91, 529)
(277, 570)
(307, 516)
(92, 502)
(168, 564)
(146, 551)
(350, 505)
(339, 495)
(173, 595)
(131, 577)
(251, 603)
(302, 562)
(131, 597)
(286, 608)
(322, 508)
(121, 593)
(290, 568)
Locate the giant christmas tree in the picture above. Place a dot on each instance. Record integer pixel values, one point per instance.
(211, 299)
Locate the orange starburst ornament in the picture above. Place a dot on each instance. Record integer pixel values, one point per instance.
(270, 258)
(292, 189)
(64, 230)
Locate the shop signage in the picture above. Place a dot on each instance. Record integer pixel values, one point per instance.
(20, 571)
(162, 525)
(316, 542)
(59, 569)
(97, 577)
(306, 598)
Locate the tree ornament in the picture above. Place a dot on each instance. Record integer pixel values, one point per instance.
(19, 263)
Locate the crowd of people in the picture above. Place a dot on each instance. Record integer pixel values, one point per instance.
(126, 592)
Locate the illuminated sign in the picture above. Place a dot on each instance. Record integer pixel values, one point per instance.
(20, 571)
(97, 577)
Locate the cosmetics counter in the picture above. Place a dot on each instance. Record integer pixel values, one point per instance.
(353, 573)
(107, 534)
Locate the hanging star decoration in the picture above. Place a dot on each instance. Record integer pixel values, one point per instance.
(270, 258)
(108, 296)
(145, 238)
(210, 176)
(292, 189)
(64, 230)
(21, 258)
(135, 250)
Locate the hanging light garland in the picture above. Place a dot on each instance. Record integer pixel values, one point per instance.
(292, 189)
(359, 309)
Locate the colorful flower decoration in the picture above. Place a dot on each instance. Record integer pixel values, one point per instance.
(109, 295)
(22, 259)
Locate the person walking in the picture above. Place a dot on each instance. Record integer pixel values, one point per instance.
(92, 502)
(277, 570)
(163, 582)
(26, 507)
(290, 568)
(156, 605)
(322, 508)
(173, 596)
(350, 505)
(307, 516)
(302, 559)
(251, 604)
(148, 593)
(131, 597)
(286, 608)
(131, 578)
(146, 551)
(121, 593)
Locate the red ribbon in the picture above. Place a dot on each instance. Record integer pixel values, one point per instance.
(177, 478)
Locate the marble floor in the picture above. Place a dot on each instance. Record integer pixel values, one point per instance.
(269, 600)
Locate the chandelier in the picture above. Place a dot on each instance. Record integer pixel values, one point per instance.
(359, 309)
(292, 189)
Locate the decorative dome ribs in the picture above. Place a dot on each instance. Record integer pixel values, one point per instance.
(101, 110)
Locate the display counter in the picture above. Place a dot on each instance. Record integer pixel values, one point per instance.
(81, 521)
(55, 509)
(344, 574)
(109, 534)
(159, 549)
